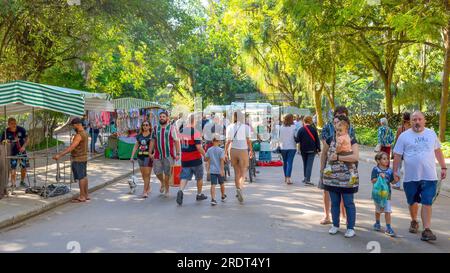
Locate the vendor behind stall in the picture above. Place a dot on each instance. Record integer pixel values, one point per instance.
(18, 137)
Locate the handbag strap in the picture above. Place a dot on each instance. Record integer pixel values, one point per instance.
(237, 130)
(309, 133)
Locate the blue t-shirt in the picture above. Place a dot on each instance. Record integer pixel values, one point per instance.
(215, 154)
(388, 176)
(17, 138)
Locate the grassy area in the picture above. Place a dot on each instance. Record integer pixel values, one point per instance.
(366, 136)
(446, 149)
(43, 145)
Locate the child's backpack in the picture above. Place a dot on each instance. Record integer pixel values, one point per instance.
(380, 192)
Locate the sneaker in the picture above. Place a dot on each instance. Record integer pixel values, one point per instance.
(224, 198)
(389, 232)
(333, 230)
(23, 184)
(180, 198)
(349, 233)
(308, 183)
(377, 227)
(427, 235)
(201, 197)
(239, 195)
(414, 227)
(213, 202)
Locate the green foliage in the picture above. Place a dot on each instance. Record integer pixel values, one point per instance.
(446, 148)
(366, 136)
(43, 144)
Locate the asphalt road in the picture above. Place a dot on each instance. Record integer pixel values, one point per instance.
(275, 217)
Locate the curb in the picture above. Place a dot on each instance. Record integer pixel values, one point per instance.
(61, 201)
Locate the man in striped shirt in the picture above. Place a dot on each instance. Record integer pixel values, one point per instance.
(164, 139)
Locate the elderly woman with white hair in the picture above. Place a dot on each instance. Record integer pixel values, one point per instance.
(385, 137)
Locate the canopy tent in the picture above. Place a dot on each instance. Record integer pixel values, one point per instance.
(133, 103)
(20, 96)
(99, 102)
(292, 110)
(217, 109)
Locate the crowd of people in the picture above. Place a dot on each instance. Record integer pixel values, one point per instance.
(159, 146)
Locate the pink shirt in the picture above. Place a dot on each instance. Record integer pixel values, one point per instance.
(343, 144)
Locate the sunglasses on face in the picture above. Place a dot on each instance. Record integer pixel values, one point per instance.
(146, 125)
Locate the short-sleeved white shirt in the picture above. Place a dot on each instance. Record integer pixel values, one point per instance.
(418, 154)
(238, 134)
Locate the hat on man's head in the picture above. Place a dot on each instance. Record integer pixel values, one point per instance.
(216, 137)
(75, 121)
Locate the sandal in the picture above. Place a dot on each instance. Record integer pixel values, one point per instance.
(78, 200)
(325, 222)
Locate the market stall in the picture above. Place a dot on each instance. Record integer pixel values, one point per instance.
(20, 97)
(129, 115)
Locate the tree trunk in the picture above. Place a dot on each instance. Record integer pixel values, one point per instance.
(388, 95)
(318, 104)
(333, 88)
(445, 81)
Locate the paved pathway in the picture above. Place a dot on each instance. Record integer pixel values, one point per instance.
(275, 218)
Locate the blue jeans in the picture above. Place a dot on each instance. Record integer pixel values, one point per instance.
(288, 160)
(308, 161)
(349, 208)
(94, 135)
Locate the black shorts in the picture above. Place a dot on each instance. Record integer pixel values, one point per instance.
(79, 170)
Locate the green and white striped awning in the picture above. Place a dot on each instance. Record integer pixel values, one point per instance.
(21, 97)
(99, 102)
(133, 103)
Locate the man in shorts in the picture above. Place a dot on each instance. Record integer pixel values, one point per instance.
(164, 140)
(191, 159)
(419, 147)
(79, 157)
(17, 136)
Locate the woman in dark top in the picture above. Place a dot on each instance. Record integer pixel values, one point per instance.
(338, 182)
(309, 141)
(145, 162)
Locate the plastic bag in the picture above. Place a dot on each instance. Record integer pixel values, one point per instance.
(380, 192)
(175, 180)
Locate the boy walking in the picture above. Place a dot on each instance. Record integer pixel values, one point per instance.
(215, 156)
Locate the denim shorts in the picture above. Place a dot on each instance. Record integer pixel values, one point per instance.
(79, 170)
(163, 166)
(188, 172)
(216, 179)
(23, 162)
(422, 192)
(145, 162)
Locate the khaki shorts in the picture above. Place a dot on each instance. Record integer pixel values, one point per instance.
(239, 158)
(161, 166)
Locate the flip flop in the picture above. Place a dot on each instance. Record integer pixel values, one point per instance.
(78, 200)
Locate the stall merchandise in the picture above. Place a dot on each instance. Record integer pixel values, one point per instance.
(130, 114)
